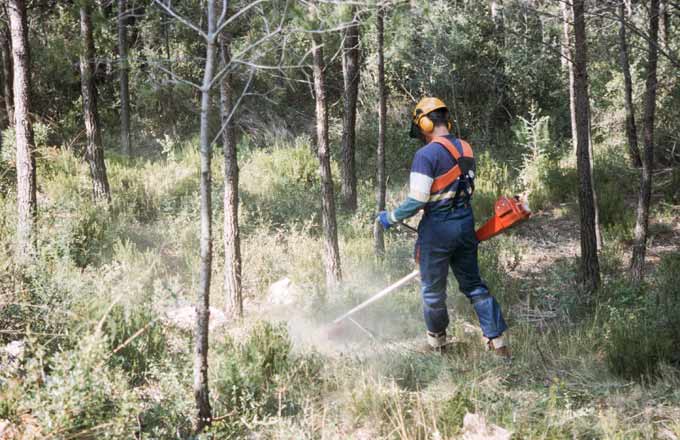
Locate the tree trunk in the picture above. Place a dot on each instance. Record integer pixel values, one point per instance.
(201, 391)
(232, 240)
(26, 182)
(381, 189)
(631, 130)
(568, 56)
(7, 75)
(332, 253)
(590, 268)
(665, 25)
(350, 73)
(496, 9)
(123, 77)
(94, 152)
(642, 220)
(591, 156)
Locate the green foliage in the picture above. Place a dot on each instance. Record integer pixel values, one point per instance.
(259, 377)
(79, 396)
(88, 236)
(644, 325)
(451, 414)
(138, 337)
(617, 186)
(281, 187)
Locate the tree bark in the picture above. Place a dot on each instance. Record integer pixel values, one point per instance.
(201, 390)
(665, 23)
(123, 78)
(642, 220)
(25, 160)
(350, 73)
(232, 240)
(568, 58)
(332, 252)
(94, 152)
(631, 129)
(381, 189)
(590, 268)
(7, 75)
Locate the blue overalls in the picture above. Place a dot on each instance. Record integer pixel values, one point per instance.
(446, 237)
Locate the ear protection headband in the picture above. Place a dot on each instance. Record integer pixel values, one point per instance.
(425, 124)
(421, 122)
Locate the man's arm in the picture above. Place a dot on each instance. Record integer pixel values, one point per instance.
(420, 182)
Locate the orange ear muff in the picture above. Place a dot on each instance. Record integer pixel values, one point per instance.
(426, 125)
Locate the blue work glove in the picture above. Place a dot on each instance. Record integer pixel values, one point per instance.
(384, 219)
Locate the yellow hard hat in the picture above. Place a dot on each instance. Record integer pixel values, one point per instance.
(424, 107)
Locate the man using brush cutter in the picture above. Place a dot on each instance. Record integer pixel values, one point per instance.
(441, 184)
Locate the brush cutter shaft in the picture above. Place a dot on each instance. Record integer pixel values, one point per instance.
(379, 295)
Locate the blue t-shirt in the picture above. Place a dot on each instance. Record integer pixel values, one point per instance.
(431, 161)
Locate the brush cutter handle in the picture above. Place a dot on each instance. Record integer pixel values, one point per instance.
(379, 295)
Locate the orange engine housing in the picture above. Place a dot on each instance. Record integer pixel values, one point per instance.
(508, 211)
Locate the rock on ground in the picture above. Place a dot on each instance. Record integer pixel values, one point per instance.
(475, 427)
(185, 318)
(282, 292)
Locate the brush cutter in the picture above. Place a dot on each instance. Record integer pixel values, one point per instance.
(508, 211)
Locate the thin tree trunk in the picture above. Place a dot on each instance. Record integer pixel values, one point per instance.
(232, 240)
(201, 391)
(665, 24)
(590, 268)
(332, 253)
(631, 129)
(26, 181)
(568, 54)
(496, 7)
(381, 189)
(94, 152)
(123, 77)
(591, 158)
(642, 220)
(350, 73)
(7, 75)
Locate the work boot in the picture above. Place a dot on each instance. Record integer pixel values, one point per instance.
(499, 347)
(437, 342)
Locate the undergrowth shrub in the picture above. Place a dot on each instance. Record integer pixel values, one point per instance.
(136, 199)
(81, 395)
(643, 325)
(493, 180)
(451, 414)
(616, 185)
(281, 186)
(136, 352)
(88, 235)
(167, 411)
(37, 299)
(271, 254)
(260, 377)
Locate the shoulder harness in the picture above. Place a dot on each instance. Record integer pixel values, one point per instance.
(464, 163)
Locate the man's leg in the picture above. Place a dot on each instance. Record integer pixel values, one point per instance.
(434, 267)
(466, 269)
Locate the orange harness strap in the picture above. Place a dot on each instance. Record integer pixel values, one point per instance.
(451, 175)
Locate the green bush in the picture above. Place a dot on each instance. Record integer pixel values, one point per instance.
(88, 236)
(281, 186)
(451, 414)
(644, 324)
(82, 395)
(136, 352)
(259, 377)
